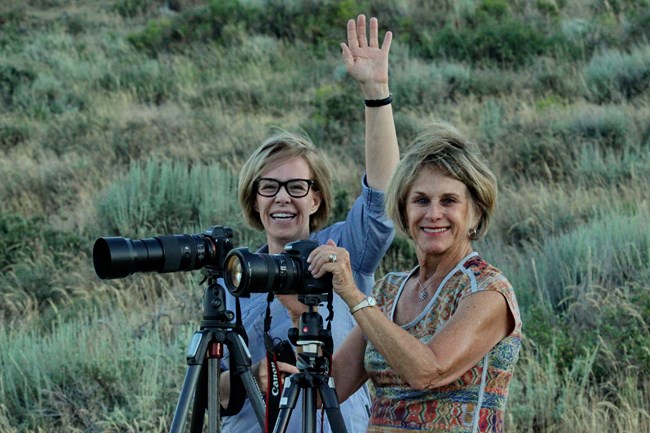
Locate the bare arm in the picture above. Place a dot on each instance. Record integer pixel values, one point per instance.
(347, 365)
(479, 323)
(367, 63)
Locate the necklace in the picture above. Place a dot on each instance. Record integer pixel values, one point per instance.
(423, 293)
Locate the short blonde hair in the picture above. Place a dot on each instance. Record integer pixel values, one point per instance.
(281, 146)
(441, 146)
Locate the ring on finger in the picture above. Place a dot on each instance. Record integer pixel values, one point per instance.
(331, 258)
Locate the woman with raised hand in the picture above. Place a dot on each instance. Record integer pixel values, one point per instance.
(285, 190)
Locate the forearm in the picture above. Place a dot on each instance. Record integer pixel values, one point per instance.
(477, 325)
(412, 360)
(347, 365)
(382, 151)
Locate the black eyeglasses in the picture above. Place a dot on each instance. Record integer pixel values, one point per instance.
(296, 188)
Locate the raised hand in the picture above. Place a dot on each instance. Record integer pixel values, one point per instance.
(365, 61)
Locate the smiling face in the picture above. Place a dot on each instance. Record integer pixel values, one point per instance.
(285, 218)
(439, 214)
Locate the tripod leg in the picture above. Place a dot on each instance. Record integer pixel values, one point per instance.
(309, 411)
(200, 402)
(214, 415)
(331, 406)
(288, 401)
(240, 360)
(187, 392)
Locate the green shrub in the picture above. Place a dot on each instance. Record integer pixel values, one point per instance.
(616, 321)
(14, 80)
(538, 154)
(26, 238)
(335, 114)
(133, 8)
(608, 126)
(612, 74)
(89, 373)
(12, 134)
(217, 21)
(163, 197)
(608, 252)
(427, 85)
(498, 39)
(639, 30)
(155, 37)
(318, 23)
(38, 263)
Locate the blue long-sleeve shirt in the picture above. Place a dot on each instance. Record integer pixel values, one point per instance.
(366, 233)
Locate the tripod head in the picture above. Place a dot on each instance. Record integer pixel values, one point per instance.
(312, 336)
(215, 313)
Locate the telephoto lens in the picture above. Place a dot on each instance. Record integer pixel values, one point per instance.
(117, 257)
(284, 273)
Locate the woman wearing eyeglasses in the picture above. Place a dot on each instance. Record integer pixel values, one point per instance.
(285, 190)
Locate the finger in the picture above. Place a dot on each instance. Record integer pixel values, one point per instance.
(321, 263)
(352, 35)
(361, 31)
(287, 368)
(388, 38)
(374, 33)
(347, 56)
(330, 242)
(325, 264)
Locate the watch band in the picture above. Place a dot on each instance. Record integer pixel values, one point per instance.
(368, 302)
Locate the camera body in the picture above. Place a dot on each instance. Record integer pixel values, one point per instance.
(284, 274)
(116, 257)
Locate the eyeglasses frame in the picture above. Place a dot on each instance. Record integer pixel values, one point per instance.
(285, 184)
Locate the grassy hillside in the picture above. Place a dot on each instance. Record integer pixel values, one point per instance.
(131, 118)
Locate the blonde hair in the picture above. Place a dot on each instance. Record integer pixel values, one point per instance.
(440, 146)
(279, 147)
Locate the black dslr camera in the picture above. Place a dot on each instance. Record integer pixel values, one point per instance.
(116, 257)
(285, 273)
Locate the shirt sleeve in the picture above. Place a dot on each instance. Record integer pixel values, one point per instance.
(366, 233)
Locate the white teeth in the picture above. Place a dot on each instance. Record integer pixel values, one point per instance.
(433, 230)
(282, 215)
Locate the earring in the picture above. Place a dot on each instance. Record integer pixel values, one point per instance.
(472, 233)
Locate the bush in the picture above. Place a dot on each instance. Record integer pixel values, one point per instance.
(163, 197)
(37, 262)
(493, 39)
(608, 252)
(614, 75)
(13, 80)
(12, 134)
(614, 320)
(133, 8)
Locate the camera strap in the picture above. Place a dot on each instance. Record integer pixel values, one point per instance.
(328, 349)
(276, 350)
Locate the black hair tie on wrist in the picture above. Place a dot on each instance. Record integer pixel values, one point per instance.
(378, 102)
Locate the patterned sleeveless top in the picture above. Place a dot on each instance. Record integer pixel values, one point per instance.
(473, 403)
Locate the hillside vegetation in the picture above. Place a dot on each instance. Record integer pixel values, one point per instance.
(132, 117)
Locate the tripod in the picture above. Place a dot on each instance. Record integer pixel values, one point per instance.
(201, 378)
(313, 376)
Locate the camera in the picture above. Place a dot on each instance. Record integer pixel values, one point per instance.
(284, 273)
(116, 257)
